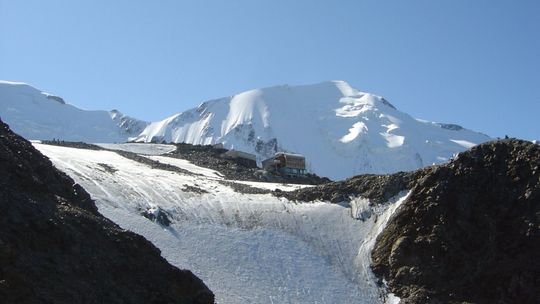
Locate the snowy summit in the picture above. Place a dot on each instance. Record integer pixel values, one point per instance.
(341, 131)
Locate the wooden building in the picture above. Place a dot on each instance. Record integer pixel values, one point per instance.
(286, 164)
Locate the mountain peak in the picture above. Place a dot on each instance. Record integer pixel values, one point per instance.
(348, 91)
(344, 87)
(341, 130)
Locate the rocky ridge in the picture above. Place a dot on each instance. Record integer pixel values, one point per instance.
(377, 188)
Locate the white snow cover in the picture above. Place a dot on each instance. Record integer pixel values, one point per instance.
(247, 248)
(341, 131)
(38, 115)
(145, 149)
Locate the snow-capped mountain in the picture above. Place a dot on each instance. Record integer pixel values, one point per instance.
(340, 130)
(38, 115)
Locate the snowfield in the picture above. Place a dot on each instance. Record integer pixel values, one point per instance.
(246, 248)
(144, 149)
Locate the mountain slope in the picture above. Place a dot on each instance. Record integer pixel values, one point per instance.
(56, 248)
(38, 115)
(340, 130)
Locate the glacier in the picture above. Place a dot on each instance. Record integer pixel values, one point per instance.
(248, 248)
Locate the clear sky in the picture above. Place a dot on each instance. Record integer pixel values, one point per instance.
(471, 62)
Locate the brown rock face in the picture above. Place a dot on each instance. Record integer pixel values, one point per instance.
(56, 248)
(469, 231)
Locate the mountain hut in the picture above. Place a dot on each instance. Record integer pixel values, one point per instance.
(286, 164)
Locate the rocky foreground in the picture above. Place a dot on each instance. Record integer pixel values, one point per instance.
(56, 248)
(469, 231)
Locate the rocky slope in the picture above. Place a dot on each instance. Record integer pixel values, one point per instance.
(469, 231)
(211, 157)
(377, 188)
(56, 248)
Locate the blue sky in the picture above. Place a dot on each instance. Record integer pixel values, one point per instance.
(475, 63)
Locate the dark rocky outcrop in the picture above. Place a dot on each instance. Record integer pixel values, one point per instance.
(246, 189)
(56, 248)
(72, 144)
(469, 231)
(56, 98)
(377, 188)
(157, 215)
